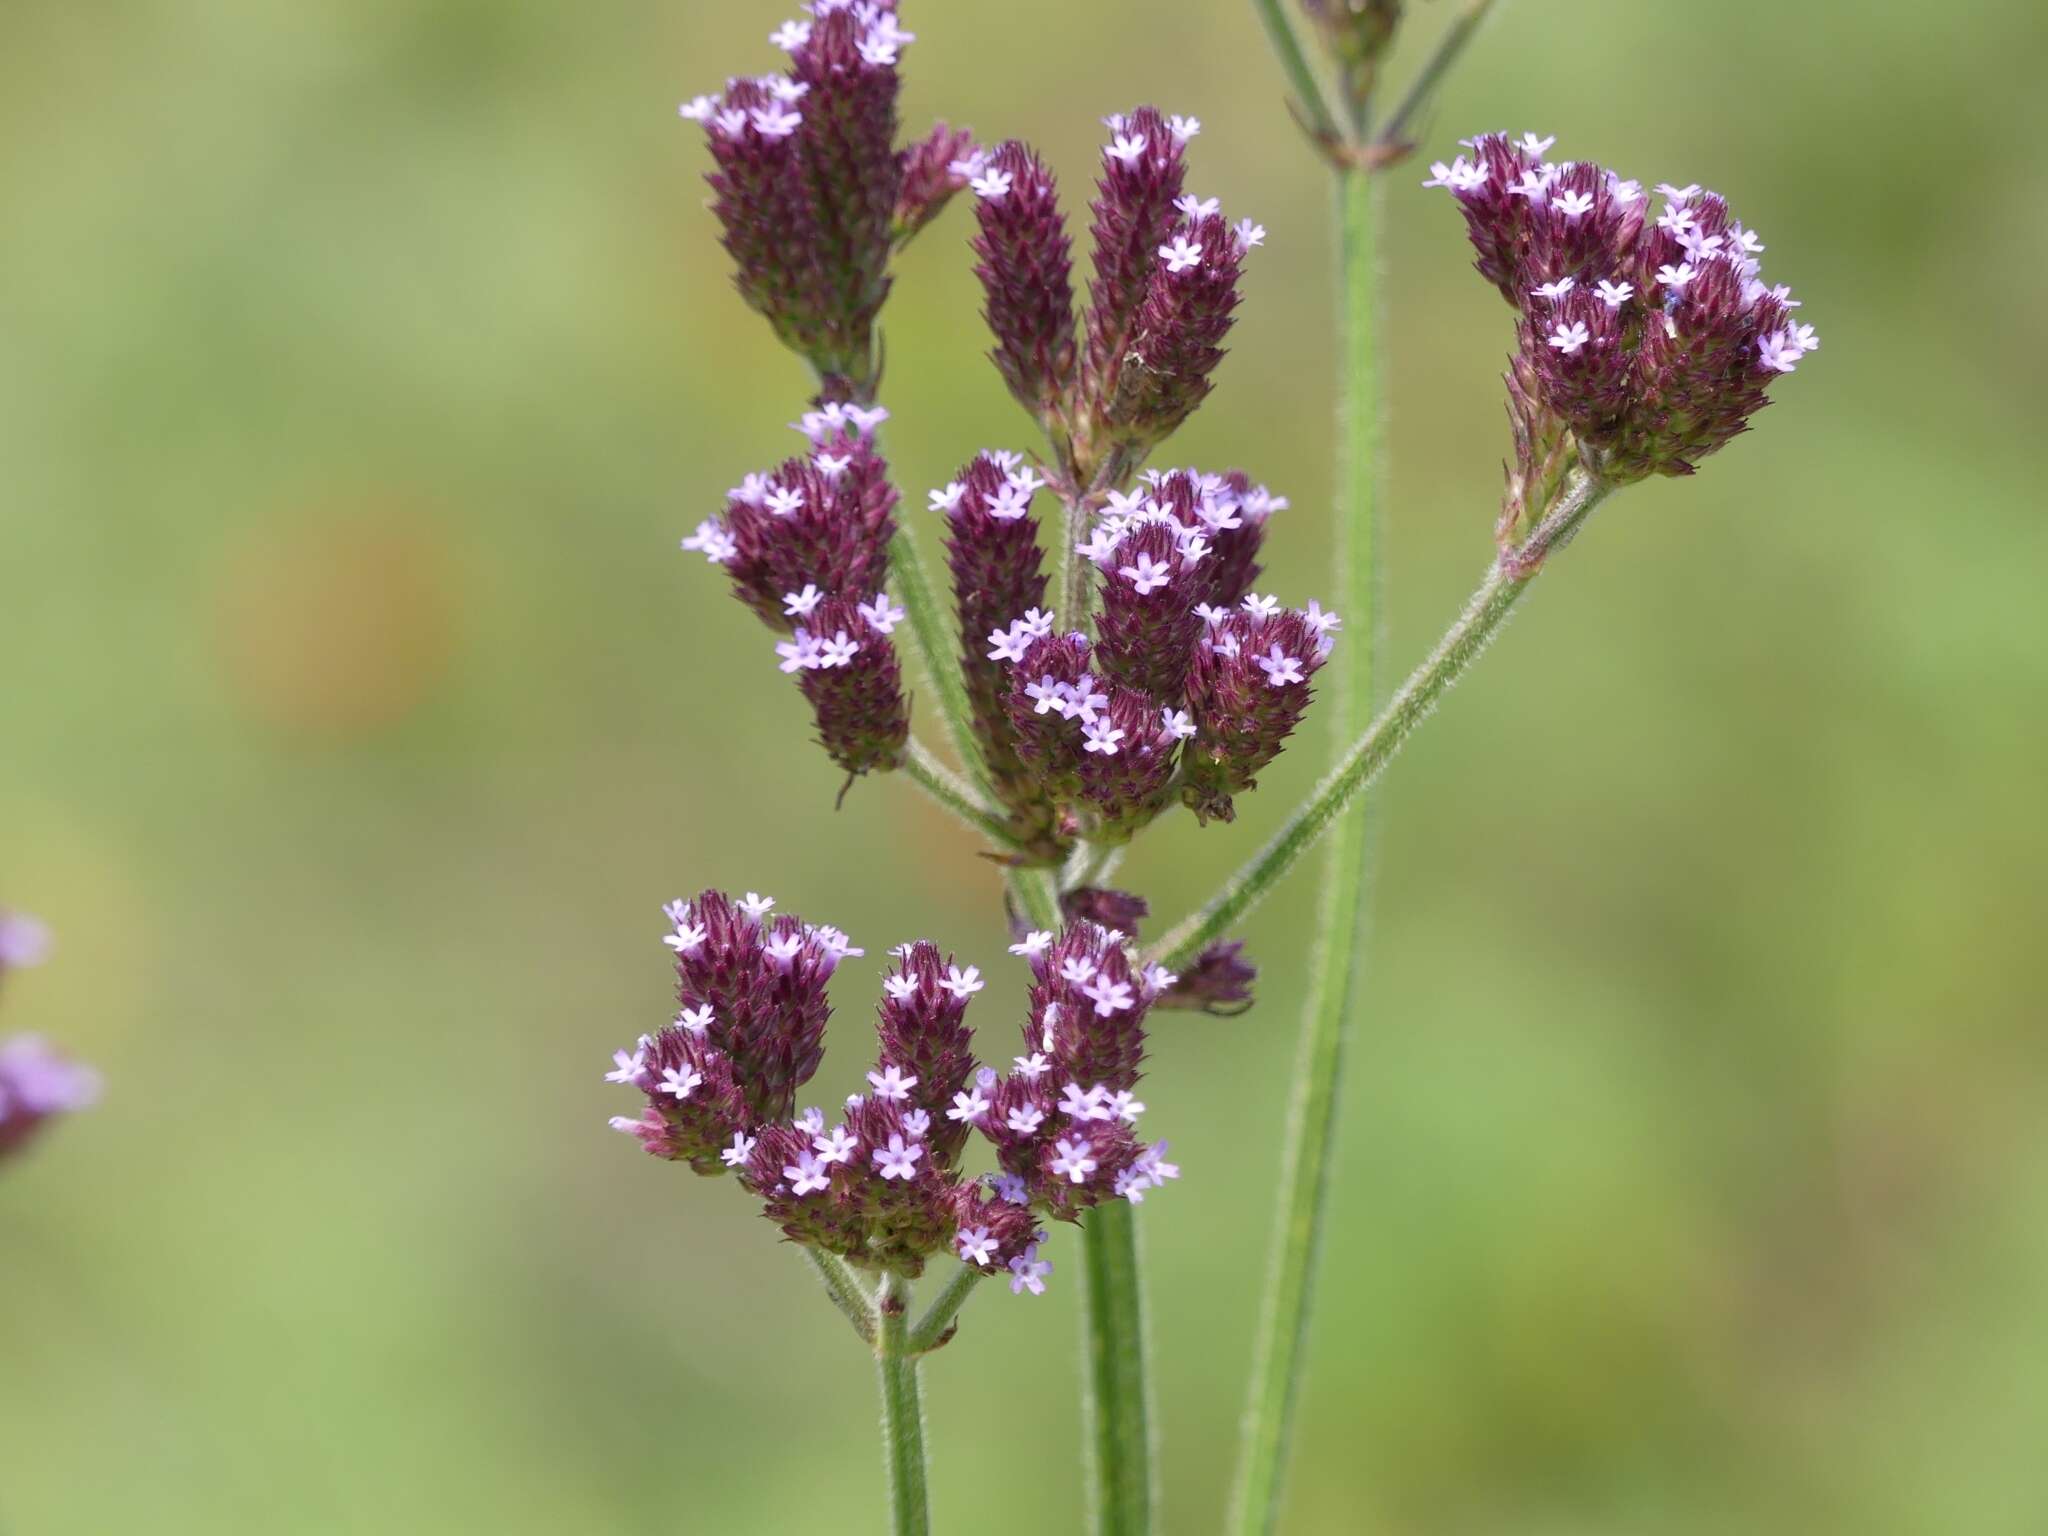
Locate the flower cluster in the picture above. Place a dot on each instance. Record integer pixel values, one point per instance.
(882, 1184)
(37, 1083)
(811, 191)
(807, 548)
(1188, 689)
(1161, 300)
(1645, 343)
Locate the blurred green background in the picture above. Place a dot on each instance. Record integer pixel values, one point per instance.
(361, 362)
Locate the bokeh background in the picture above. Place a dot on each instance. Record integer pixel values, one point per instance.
(361, 362)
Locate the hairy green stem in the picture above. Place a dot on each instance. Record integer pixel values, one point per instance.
(956, 795)
(902, 1413)
(931, 638)
(936, 1326)
(1035, 893)
(846, 1291)
(1510, 576)
(1119, 1394)
(1075, 593)
(1336, 962)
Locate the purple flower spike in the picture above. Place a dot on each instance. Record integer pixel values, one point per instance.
(1126, 763)
(1025, 269)
(806, 186)
(1176, 340)
(1051, 693)
(1153, 575)
(1063, 1121)
(933, 170)
(1143, 167)
(762, 978)
(998, 582)
(846, 665)
(1234, 512)
(924, 1034)
(1088, 1008)
(1248, 691)
(822, 521)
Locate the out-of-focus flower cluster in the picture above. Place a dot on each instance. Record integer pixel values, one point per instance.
(811, 190)
(37, 1082)
(881, 1182)
(1645, 343)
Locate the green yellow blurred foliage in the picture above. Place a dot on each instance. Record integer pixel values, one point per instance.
(361, 362)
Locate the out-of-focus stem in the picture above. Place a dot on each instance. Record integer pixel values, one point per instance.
(1301, 76)
(1393, 135)
(1337, 961)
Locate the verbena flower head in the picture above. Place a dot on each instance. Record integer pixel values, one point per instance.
(1162, 295)
(807, 549)
(37, 1082)
(992, 552)
(1647, 337)
(1107, 732)
(881, 1183)
(811, 191)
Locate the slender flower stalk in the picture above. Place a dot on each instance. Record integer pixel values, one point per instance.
(955, 794)
(902, 1413)
(936, 1326)
(847, 1293)
(1122, 1450)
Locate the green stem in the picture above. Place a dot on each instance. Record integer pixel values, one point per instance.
(1036, 894)
(1075, 591)
(1315, 110)
(936, 1326)
(902, 1413)
(846, 1291)
(1488, 609)
(956, 795)
(931, 637)
(1119, 1399)
(1336, 959)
